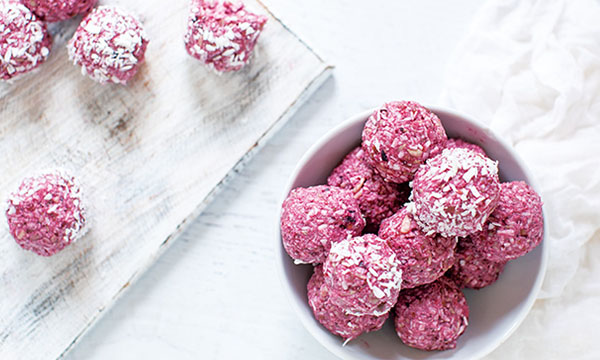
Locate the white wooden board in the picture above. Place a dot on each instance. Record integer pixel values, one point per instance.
(149, 157)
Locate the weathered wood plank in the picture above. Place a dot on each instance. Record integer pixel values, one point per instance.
(149, 156)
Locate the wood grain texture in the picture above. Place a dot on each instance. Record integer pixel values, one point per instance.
(149, 156)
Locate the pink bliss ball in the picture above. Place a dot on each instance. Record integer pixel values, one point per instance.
(432, 316)
(333, 317)
(422, 258)
(515, 227)
(455, 192)
(222, 34)
(57, 10)
(363, 275)
(24, 40)
(399, 137)
(109, 45)
(459, 143)
(471, 269)
(315, 217)
(377, 198)
(45, 214)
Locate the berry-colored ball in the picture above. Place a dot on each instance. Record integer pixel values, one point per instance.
(334, 318)
(222, 34)
(422, 258)
(109, 45)
(459, 143)
(399, 137)
(432, 316)
(471, 269)
(455, 192)
(24, 40)
(58, 10)
(314, 218)
(363, 275)
(45, 214)
(515, 227)
(377, 198)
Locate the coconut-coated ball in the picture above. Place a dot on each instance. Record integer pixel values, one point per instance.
(422, 258)
(24, 40)
(377, 198)
(58, 10)
(471, 269)
(314, 218)
(222, 34)
(45, 213)
(455, 192)
(515, 227)
(459, 143)
(399, 136)
(109, 45)
(432, 316)
(363, 275)
(334, 318)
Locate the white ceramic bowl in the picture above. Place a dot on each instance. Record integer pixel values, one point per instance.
(495, 311)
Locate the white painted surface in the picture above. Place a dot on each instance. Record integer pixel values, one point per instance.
(215, 293)
(149, 156)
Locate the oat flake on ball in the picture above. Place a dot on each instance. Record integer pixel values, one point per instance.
(333, 317)
(222, 34)
(24, 40)
(45, 213)
(363, 275)
(377, 198)
(109, 45)
(315, 217)
(57, 10)
(471, 269)
(399, 137)
(422, 258)
(455, 192)
(432, 316)
(515, 227)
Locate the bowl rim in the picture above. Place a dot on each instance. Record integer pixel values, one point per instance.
(328, 136)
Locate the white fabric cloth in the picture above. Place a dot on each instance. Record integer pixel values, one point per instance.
(531, 71)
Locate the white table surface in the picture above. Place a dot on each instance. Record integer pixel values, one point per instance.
(215, 294)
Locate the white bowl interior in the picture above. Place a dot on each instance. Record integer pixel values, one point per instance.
(495, 311)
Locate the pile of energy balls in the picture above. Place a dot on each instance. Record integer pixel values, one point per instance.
(406, 221)
(110, 43)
